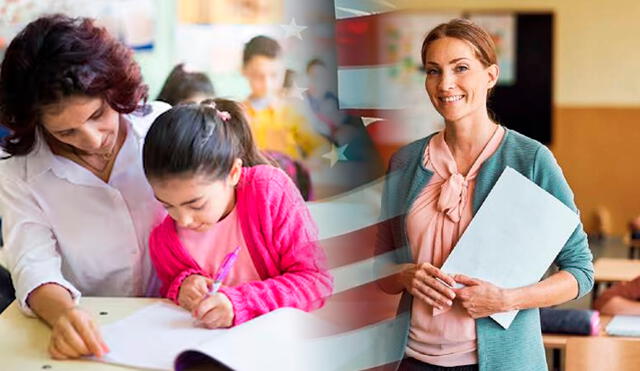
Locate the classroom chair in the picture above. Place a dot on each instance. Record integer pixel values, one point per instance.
(602, 354)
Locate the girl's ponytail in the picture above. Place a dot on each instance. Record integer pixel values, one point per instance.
(238, 126)
(203, 138)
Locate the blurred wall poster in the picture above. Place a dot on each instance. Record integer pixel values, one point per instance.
(502, 28)
(230, 11)
(131, 21)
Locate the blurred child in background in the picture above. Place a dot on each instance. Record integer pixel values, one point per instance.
(621, 298)
(182, 86)
(275, 123)
(322, 102)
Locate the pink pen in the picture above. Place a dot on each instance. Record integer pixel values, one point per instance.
(224, 270)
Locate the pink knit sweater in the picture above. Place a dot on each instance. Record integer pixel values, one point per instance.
(282, 241)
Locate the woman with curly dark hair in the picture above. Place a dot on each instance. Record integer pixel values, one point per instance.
(76, 208)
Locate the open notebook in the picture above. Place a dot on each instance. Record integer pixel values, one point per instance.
(164, 336)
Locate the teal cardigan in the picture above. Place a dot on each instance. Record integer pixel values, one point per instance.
(520, 346)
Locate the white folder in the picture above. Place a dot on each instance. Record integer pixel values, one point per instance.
(514, 237)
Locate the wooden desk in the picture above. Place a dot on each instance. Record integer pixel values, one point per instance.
(609, 270)
(24, 340)
(558, 342)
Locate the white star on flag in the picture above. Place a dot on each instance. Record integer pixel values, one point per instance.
(292, 29)
(370, 120)
(336, 154)
(296, 92)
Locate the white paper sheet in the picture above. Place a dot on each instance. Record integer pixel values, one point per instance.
(278, 340)
(624, 326)
(514, 237)
(154, 336)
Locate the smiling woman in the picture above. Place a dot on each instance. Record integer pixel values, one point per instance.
(76, 208)
(445, 178)
(457, 82)
(85, 130)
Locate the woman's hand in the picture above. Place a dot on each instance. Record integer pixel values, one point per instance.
(480, 298)
(421, 281)
(75, 334)
(215, 311)
(192, 290)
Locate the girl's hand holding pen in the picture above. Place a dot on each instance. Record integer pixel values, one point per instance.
(193, 290)
(215, 311)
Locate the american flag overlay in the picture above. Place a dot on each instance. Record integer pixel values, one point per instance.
(370, 331)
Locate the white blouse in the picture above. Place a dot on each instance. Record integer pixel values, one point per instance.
(62, 224)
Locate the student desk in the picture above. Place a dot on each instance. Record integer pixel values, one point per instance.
(558, 342)
(609, 271)
(24, 340)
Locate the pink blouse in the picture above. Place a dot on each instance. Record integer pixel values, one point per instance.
(435, 222)
(209, 248)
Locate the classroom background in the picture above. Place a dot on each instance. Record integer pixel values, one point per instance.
(583, 100)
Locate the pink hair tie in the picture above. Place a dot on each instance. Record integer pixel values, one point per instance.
(223, 115)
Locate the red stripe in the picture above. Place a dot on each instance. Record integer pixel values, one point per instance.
(359, 307)
(360, 41)
(351, 247)
(373, 112)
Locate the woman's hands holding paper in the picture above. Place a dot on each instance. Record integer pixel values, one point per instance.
(215, 311)
(429, 284)
(480, 298)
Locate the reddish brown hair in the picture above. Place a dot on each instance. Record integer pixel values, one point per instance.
(55, 57)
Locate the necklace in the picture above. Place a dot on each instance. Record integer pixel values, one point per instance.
(105, 157)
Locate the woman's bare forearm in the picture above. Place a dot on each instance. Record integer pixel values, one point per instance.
(49, 301)
(557, 289)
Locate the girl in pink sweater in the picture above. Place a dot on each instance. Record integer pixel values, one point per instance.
(220, 193)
